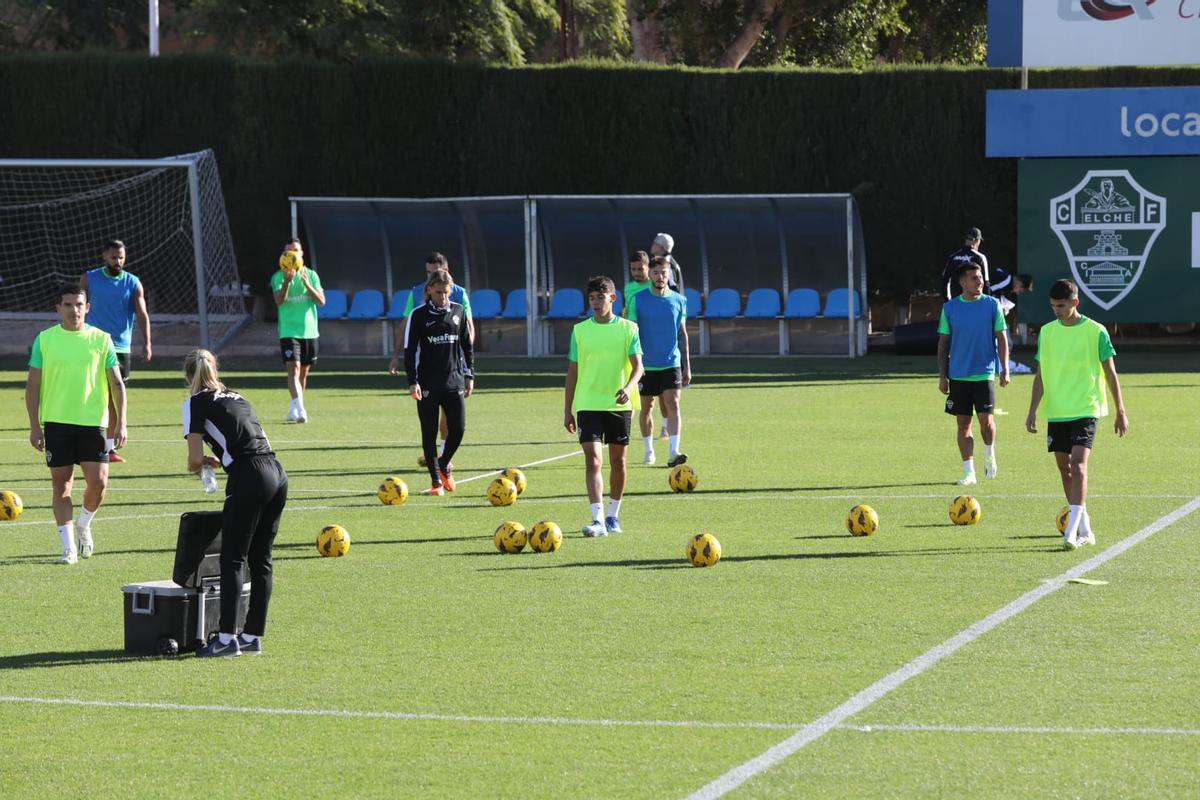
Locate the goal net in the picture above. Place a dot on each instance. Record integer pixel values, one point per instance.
(56, 215)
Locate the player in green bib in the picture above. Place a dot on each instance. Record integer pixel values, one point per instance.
(73, 368)
(1074, 352)
(297, 293)
(603, 368)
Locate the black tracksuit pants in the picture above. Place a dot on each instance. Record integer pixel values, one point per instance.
(255, 494)
(456, 422)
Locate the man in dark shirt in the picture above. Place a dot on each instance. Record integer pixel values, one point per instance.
(967, 254)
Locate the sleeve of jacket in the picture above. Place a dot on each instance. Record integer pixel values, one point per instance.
(412, 339)
(468, 348)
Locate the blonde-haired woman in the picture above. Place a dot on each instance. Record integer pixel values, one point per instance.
(255, 494)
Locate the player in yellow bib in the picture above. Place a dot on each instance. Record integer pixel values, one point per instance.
(1074, 352)
(73, 369)
(603, 369)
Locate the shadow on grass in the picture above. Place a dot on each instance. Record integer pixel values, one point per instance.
(678, 563)
(356, 543)
(67, 659)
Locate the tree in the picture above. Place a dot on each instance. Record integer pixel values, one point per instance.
(73, 25)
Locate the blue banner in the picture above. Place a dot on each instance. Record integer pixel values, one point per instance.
(1093, 122)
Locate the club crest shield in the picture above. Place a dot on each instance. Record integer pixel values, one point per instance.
(1107, 225)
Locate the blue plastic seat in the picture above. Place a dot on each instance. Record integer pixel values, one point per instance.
(485, 304)
(515, 306)
(835, 304)
(618, 305)
(367, 304)
(802, 304)
(693, 301)
(399, 301)
(723, 304)
(762, 304)
(335, 305)
(566, 304)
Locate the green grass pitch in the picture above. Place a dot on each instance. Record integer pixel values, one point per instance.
(424, 663)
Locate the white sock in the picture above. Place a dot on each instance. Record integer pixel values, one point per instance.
(109, 445)
(648, 442)
(614, 507)
(225, 638)
(1085, 524)
(66, 533)
(969, 466)
(85, 518)
(673, 442)
(597, 509)
(989, 451)
(249, 638)
(1073, 520)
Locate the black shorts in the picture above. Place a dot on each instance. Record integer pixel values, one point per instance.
(966, 396)
(656, 381)
(609, 427)
(124, 361)
(302, 350)
(1062, 437)
(73, 444)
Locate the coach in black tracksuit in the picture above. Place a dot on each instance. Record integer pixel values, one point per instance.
(439, 364)
(255, 493)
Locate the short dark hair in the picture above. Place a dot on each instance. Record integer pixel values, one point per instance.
(660, 261)
(70, 288)
(969, 266)
(973, 235)
(640, 255)
(1063, 289)
(601, 283)
(1026, 280)
(292, 240)
(437, 258)
(113, 244)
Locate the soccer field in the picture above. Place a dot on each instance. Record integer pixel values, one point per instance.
(926, 660)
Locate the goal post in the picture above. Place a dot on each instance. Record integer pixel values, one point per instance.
(56, 215)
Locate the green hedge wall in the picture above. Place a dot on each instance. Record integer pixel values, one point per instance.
(908, 142)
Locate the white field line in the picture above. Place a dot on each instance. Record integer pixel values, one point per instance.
(106, 517)
(1022, 729)
(395, 715)
(834, 718)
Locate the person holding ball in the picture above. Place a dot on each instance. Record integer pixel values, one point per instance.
(298, 292)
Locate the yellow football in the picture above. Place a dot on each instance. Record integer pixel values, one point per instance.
(965, 510)
(333, 541)
(545, 537)
(393, 491)
(703, 550)
(862, 520)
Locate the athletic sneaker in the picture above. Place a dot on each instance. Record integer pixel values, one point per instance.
(248, 648)
(1069, 543)
(612, 525)
(594, 529)
(301, 414)
(115, 458)
(86, 546)
(1087, 538)
(68, 556)
(677, 459)
(293, 412)
(968, 480)
(435, 491)
(989, 468)
(447, 481)
(214, 648)
(649, 460)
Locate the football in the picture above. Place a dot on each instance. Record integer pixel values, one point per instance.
(517, 477)
(965, 510)
(703, 550)
(545, 537)
(502, 492)
(333, 541)
(862, 521)
(10, 505)
(393, 491)
(1061, 520)
(682, 479)
(290, 261)
(511, 537)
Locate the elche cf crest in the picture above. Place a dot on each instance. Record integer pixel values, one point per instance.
(1107, 225)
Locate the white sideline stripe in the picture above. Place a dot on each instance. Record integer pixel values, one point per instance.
(1022, 729)
(819, 727)
(308, 508)
(397, 715)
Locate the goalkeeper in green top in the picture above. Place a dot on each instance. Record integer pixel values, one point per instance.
(73, 368)
(1073, 353)
(603, 369)
(297, 291)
